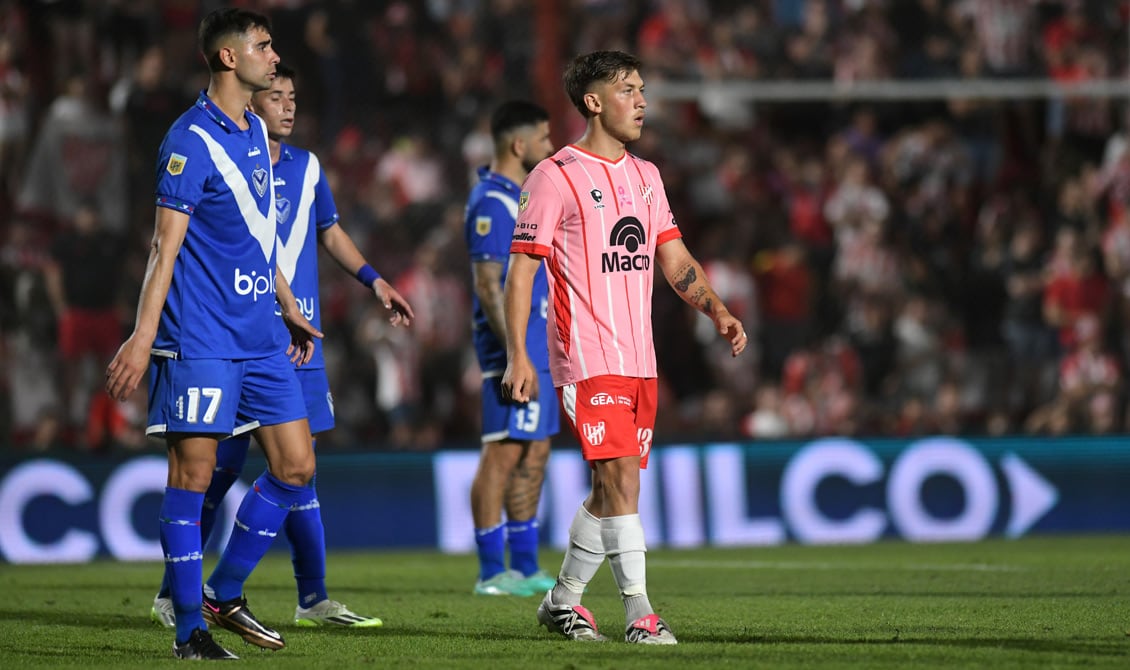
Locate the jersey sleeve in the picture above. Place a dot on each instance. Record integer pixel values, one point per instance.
(490, 227)
(540, 210)
(325, 209)
(665, 218)
(183, 168)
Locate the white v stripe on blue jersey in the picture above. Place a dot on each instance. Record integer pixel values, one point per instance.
(261, 227)
(299, 180)
(507, 200)
(290, 249)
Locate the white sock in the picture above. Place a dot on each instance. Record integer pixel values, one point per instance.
(582, 558)
(624, 543)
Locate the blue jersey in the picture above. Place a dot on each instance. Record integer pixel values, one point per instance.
(492, 208)
(304, 206)
(221, 303)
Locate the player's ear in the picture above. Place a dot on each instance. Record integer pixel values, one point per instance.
(518, 146)
(226, 56)
(592, 103)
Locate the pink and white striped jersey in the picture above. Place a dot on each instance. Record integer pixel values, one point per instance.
(597, 224)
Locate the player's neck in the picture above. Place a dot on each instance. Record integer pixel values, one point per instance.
(512, 170)
(274, 148)
(230, 97)
(596, 141)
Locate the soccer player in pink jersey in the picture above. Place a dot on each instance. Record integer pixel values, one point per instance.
(599, 217)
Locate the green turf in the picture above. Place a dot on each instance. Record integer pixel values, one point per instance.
(1033, 603)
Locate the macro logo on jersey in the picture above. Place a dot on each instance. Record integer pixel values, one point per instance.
(594, 432)
(176, 163)
(627, 233)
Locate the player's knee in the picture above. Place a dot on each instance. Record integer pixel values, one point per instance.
(296, 471)
(190, 477)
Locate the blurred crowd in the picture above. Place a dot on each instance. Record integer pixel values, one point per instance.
(958, 266)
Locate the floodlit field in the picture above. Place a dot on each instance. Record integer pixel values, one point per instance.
(1032, 603)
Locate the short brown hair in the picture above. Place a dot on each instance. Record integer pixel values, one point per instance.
(587, 69)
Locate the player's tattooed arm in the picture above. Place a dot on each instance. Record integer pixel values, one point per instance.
(683, 282)
(686, 276)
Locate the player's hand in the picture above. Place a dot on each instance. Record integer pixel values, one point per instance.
(402, 313)
(731, 329)
(520, 381)
(126, 370)
(302, 336)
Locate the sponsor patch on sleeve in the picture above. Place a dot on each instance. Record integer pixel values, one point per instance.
(482, 225)
(523, 201)
(176, 163)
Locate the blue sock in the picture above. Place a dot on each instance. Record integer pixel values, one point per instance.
(307, 537)
(257, 522)
(230, 457)
(180, 541)
(492, 550)
(522, 536)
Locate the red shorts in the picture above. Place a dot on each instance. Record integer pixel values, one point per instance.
(89, 331)
(612, 416)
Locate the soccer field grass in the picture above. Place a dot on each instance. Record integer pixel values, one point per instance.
(1036, 602)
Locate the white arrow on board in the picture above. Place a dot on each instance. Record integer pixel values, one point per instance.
(1032, 495)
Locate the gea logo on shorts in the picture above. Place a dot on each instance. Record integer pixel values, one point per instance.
(628, 233)
(601, 399)
(594, 433)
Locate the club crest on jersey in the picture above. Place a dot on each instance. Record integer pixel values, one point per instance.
(482, 225)
(523, 201)
(282, 209)
(594, 432)
(259, 179)
(645, 192)
(176, 163)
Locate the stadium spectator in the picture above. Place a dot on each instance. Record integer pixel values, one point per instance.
(87, 308)
(760, 170)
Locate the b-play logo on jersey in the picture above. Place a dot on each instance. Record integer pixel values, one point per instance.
(629, 234)
(593, 432)
(253, 284)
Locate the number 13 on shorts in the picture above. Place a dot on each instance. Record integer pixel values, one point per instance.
(526, 417)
